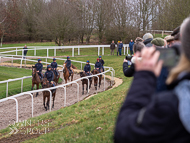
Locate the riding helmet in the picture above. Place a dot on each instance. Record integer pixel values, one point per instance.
(100, 56)
(48, 66)
(54, 59)
(68, 57)
(88, 61)
(98, 59)
(39, 60)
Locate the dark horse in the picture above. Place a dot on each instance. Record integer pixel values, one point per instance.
(66, 72)
(35, 79)
(85, 81)
(46, 94)
(94, 72)
(56, 78)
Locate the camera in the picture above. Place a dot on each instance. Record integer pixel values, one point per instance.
(128, 58)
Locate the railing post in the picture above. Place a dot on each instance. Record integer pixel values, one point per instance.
(73, 52)
(162, 33)
(21, 85)
(81, 66)
(35, 51)
(127, 50)
(46, 62)
(78, 51)
(47, 52)
(22, 53)
(7, 89)
(124, 50)
(16, 51)
(54, 51)
(102, 50)
(12, 61)
(21, 63)
(0, 59)
(98, 51)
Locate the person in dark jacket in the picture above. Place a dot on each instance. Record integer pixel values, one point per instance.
(129, 70)
(102, 62)
(131, 46)
(148, 37)
(39, 67)
(146, 117)
(112, 47)
(68, 65)
(98, 65)
(50, 76)
(25, 51)
(54, 66)
(87, 68)
(120, 48)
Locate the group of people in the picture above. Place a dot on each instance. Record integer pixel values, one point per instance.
(119, 47)
(157, 105)
(49, 72)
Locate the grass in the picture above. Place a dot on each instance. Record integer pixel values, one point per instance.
(79, 121)
(15, 86)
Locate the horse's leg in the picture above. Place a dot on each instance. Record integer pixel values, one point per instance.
(37, 89)
(71, 78)
(90, 84)
(32, 86)
(53, 100)
(100, 82)
(44, 99)
(82, 88)
(47, 104)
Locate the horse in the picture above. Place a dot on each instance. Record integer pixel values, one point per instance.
(66, 72)
(94, 72)
(85, 81)
(56, 78)
(35, 79)
(46, 94)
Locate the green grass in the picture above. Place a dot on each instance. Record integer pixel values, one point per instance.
(15, 86)
(159, 35)
(79, 121)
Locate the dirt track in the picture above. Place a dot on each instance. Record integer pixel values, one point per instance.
(8, 108)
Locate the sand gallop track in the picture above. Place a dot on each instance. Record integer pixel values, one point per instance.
(8, 108)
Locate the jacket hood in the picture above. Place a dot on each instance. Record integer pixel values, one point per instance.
(182, 92)
(147, 41)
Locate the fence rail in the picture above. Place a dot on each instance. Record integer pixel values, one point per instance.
(12, 57)
(18, 49)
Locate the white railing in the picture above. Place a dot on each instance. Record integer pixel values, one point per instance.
(59, 47)
(107, 70)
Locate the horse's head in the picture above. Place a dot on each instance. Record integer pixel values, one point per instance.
(82, 74)
(45, 83)
(33, 70)
(94, 71)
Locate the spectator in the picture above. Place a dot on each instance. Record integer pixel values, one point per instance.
(112, 47)
(129, 71)
(131, 46)
(25, 51)
(138, 39)
(169, 40)
(147, 39)
(120, 47)
(158, 42)
(163, 117)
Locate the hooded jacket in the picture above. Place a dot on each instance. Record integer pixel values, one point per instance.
(54, 65)
(146, 117)
(39, 67)
(148, 43)
(87, 68)
(49, 75)
(68, 63)
(131, 45)
(98, 65)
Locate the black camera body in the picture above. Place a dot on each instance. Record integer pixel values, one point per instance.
(128, 58)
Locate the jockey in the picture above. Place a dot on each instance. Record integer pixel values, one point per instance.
(68, 65)
(49, 75)
(87, 68)
(54, 67)
(102, 62)
(98, 65)
(39, 67)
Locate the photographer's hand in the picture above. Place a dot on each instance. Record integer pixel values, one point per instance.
(149, 61)
(125, 61)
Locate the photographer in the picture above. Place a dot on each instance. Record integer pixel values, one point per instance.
(129, 61)
(160, 118)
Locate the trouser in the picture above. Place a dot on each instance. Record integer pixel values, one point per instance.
(88, 74)
(112, 51)
(103, 68)
(70, 71)
(55, 71)
(120, 51)
(41, 75)
(131, 51)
